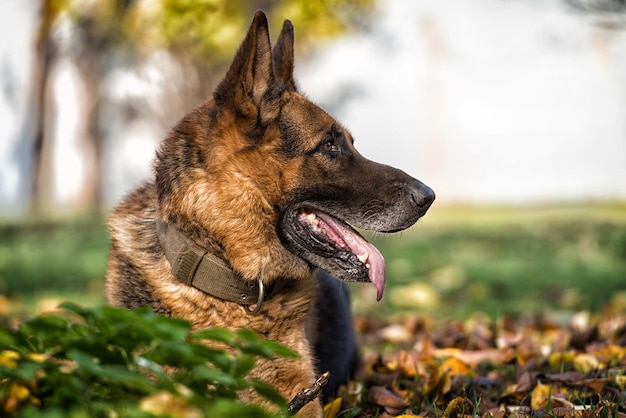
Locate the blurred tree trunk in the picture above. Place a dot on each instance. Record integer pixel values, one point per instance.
(90, 140)
(42, 173)
(44, 57)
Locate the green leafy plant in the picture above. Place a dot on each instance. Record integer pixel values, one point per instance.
(107, 361)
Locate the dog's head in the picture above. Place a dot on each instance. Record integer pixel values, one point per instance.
(275, 181)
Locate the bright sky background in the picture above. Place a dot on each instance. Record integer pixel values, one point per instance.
(486, 100)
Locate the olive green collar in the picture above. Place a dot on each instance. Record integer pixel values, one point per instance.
(197, 267)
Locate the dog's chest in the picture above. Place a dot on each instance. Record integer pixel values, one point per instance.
(286, 309)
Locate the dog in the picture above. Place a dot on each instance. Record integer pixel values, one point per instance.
(252, 209)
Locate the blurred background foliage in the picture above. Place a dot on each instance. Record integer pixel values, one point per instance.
(202, 29)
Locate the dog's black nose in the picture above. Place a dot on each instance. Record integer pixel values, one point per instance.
(423, 196)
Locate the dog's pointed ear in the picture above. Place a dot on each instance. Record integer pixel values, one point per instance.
(283, 56)
(251, 75)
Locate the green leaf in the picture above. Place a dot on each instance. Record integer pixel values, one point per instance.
(243, 365)
(211, 376)
(269, 393)
(247, 335)
(219, 358)
(7, 338)
(171, 329)
(217, 334)
(128, 379)
(171, 353)
(45, 324)
(75, 308)
(257, 349)
(227, 408)
(85, 362)
(280, 349)
(26, 370)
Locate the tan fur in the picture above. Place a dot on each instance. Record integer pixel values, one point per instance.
(231, 176)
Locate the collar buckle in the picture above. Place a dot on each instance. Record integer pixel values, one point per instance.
(259, 301)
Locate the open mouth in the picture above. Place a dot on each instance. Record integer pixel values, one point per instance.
(336, 247)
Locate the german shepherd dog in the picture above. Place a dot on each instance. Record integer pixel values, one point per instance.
(254, 191)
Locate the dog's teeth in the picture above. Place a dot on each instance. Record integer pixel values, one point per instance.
(312, 218)
(363, 258)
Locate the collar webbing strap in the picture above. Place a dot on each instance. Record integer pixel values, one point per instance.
(196, 267)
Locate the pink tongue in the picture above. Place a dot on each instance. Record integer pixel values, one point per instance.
(357, 245)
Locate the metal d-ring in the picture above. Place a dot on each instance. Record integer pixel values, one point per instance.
(259, 301)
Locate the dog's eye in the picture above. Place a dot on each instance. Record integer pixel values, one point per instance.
(330, 146)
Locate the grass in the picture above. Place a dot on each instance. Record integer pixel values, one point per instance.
(500, 261)
(457, 261)
(49, 261)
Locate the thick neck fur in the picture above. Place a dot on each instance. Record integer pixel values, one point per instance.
(205, 189)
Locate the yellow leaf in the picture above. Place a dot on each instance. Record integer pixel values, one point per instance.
(455, 366)
(20, 392)
(37, 357)
(438, 383)
(9, 358)
(165, 403)
(457, 407)
(585, 363)
(611, 354)
(447, 352)
(391, 365)
(17, 394)
(557, 360)
(540, 396)
(407, 363)
(510, 390)
(331, 409)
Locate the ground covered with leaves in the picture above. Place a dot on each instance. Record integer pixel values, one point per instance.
(479, 367)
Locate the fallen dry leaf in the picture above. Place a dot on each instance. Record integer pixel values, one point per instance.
(455, 366)
(382, 396)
